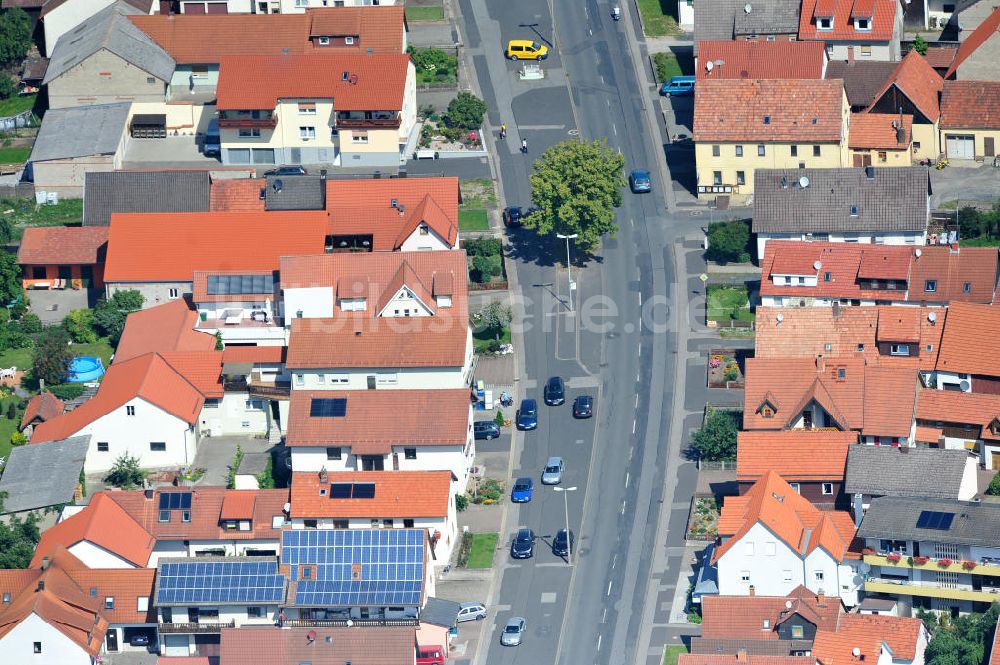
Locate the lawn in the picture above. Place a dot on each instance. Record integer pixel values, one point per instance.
(15, 105)
(728, 302)
(24, 212)
(671, 652)
(481, 338)
(424, 13)
(482, 549)
(658, 19)
(14, 155)
(21, 358)
(473, 220)
(7, 427)
(667, 66)
(477, 193)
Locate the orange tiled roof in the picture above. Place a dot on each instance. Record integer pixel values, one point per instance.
(987, 29)
(967, 275)
(44, 406)
(970, 105)
(768, 110)
(398, 495)
(744, 659)
(867, 632)
(880, 262)
(952, 406)
(741, 617)
(918, 81)
(379, 193)
(882, 14)
(157, 247)
(940, 57)
(796, 455)
(167, 327)
(890, 401)
(753, 59)
(126, 586)
(237, 194)
(202, 369)
(62, 245)
(901, 324)
(374, 82)
(877, 131)
(238, 505)
(254, 354)
(969, 344)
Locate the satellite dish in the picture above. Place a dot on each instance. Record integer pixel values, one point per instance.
(803, 182)
(856, 652)
(917, 252)
(287, 507)
(350, 623)
(779, 318)
(747, 8)
(817, 265)
(932, 317)
(964, 385)
(709, 65)
(788, 604)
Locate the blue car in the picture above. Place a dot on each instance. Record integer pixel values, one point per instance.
(527, 415)
(521, 491)
(638, 181)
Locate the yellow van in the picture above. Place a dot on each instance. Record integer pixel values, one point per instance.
(525, 49)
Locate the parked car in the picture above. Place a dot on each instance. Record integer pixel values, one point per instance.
(286, 171)
(525, 49)
(471, 612)
(555, 391)
(639, 182)
(523, 545)
(520, 492)
(561, 545)
(583, 406)
(552, 474)
(485, 429)
(678, 86)
(527, 415)
(512, 217)
(430, 654)
(512, 632)
(139, 640)
(212, 145)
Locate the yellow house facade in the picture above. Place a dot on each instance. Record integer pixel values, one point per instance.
(970, 119)
(881, 139)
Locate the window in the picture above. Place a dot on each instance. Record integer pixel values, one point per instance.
(827, 489)
(863, 24)
(818, 575)
(797, 632)
(801, 280)
(151, 80)
(828, 347)
(794, 150)
(827, 277)
(866, 51)
(841, 373)
(824, 24)
(716, 177)
(102, 446)
(716, 150)
(765, 624)
(333, 453)
(255, 612)
(38, 647)
(930, 286)
(359, 138)
(109, 602)
(309, 524)
(741, 178)
(306, 133)
(340, 524)
(786, 576)
(386, 378)
(173, 294)
(816, 151)
(407, 523)
(769, 548)
(761, 150)
(129, 410)
(748, 548)
(307, 108)
(967, 287)
(739, 151)
(158, 446)
(249, 134)
(321, 379)
(142, 604)
(883, 156)
(899, 349)
(745, 576)
(796, 487)
(299, 379)
(916, 146)
(409, 453)
(324, 41)
(164, 515)
(859, 348)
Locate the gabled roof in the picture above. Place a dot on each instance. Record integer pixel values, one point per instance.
(62, 245)
(724, 19)
(896, 517)
(863, 79)
(889, 471)
(164, 328)
(795, 455)
(953, 406)
(880, 131)
(961, 274)
(890, 401)
(238, 194)
(742, 617)
(107, 192)
(969, 344)
(841, 261)
(753, 59)
(142, 5)
(986, 30)
(940, 57)
(109, 29)
(398, 495)
(882, 14)
(405, 278)
(44, 406)
(43, 475)
(125, 586)
(970, 105)
(918, 82)
(305, 192)
(321, 646)
(773, 503)
(868, 632)
(742, 659)
(768, 110)
(373, 82)
(80, 131)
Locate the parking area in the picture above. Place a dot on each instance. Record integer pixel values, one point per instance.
(172, 152)
(216, 453)
(53, 305)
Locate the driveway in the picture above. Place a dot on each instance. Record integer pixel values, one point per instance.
(965, 181)
(216, 453)
(174, 152)
(53, 306)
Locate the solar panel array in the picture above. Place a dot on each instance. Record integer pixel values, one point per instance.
(324, 407)
(175, 500)
(220, 582)
(352, 490)
(225, 285)
(932, 519)
(355, 567)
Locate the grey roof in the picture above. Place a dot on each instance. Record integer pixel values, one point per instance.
(440, 612)
(885, 471)
(729, 646)
(877, 604)
(895, 199)
(108, 192)
(862, 79)
(895, 517)
(110, 29)
(768, 17)
(297, 192)
(43, 474)
(80, 132)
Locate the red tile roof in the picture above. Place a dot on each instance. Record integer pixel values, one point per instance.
(202, 369)
(987, 29)
(879, 262)
(752, 59)
(918, 81)
(167, 327)
(436, 417)
(238, 505)
(969, 344)
(940, 57)
(398, 495)
(882, 12)
(126, 586)
(62, 245)
(43, 406)
(382, 645)
(903, 324)
(375, 82)
(379, 193)
(952, 406)
(890, 401)
(254, 354)
(744, 659)
(795, 110)
(237, 194)
(742, 617)
(970, 105)
(867, 632)
(968, 275)
(877, 131)
(796, 455)
(162, 247)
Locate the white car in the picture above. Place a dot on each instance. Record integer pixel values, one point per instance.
(512, 632)
(471, 612)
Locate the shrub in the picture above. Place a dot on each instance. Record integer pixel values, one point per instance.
(499, 420)
(483, 246)
(461, 502)
(465, 111)
(11, 411)
(485, 268)
(920, 45)
(265, 479)
(727, 241)
(7, 86)
(237, 460)
(490, 491)
(66, 391)
(126, 473)
(716, 440)
(80, 325)
(15, 35)
(994, 488)
(50, 357)
(109, 315)
(18, 439)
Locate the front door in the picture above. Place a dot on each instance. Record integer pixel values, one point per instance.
(112, 640)
(66, 273)
(988, 148)
(995, 461)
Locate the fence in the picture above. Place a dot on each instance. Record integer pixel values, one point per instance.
(719, 465)
(22, 119)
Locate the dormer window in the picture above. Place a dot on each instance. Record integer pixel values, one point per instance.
(824, 23)
(349, 41)
(324, 41)
(109, 603)
(863, 24)
(841, 373)
(443, 301)
(353, 304)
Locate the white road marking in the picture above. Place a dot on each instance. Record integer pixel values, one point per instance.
(590, 32)
(548, 597)
(609, 588)
(599, 642)
(637, 400)
(604, 617)
(614, 129)
(614, 560)
(623, 507)
(633, 428)
(626, 479)
(631, 450)
(640, 299)
(640, 349)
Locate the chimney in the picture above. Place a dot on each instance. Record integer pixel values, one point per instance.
(323, 477)
(820, 363)
(741, 655)
(148, 494)
(45, 563)
(41, 385)
(41, 585)
(850, 55)
(753, 590)
(820, 599)
(836, 310)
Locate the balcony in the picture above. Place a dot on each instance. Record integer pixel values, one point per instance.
(341, 623)
(929, 590)
(368, 123)
(247, 120)
(202, 627)
(956, 566)
(237, 384)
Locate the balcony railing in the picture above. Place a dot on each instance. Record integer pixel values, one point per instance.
(202, 627)
(270, 390)
(982, 567)
(367, 123)
(340, 623)
(905, 587)
(248, 123)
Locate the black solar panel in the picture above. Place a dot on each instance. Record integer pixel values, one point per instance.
(224, 285)
(175, 501)
(328, 408)
(364, 490)
(932, 519)
(340, 490)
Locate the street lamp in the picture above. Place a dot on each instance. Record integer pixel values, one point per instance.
(569, 541)
(569, 266)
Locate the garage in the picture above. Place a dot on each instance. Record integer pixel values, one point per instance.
(960, 146)
(208, 645)
(176, 645)
(142, 637)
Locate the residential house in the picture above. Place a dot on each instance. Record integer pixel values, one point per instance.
(62, 257)
(872, 639)
(379, 499)
(760, 60)
(106, 193)
(863, 79)
(970, 121)
(338, 430)
(772, 540)
(43, 406)
(241, 307)
(880, 138)
(941, 57)
(321, 644)
(216, 7)
(744, 125)
(812, 462)
(964, 421)
(853, 29)
(344, 110)
(381, 320)
(740, 658)
(61, 17)
(293, 6)
(253, 376)
(42, 476)
(769, 20)
(842, 393)
(158, 253)
(164, 328)
(977, 54)
(914, 89)
(874, 471)
(884, 206)
(966, 360)
(954, 550)
(72, 142)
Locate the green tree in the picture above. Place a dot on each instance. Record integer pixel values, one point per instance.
(110, 315)
(495, 316)
(50, 357)
(716, 440)
(6, 230)
(965, 641)
(17, 541)
(126, 472)
(575, 188)
(11, 411)
(920, 45)
(994, 488)
(219, 345)
(7, 86)
(727, 241)
(80, 325)
(465, 111)
(10, 278)
(15, 35)
(17, 439)
(485, 268)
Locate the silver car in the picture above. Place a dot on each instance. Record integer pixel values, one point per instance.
(512, 632)
(471, 612)
(552, 474)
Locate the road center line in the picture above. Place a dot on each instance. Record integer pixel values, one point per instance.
(599, 642)
(604, 617)
(609, 588)
(623, 507)
(614, 560)
(626, 479)
(637, 400)
(633, 432)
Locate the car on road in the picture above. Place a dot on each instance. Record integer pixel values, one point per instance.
(678, 86)
(512, 632)
(555, 391)
(583, 406)
(552, 473)
(639, 182)
(485, 429)
(525, 49)
(521, 491)
(471, 612)
(523, 545)
(512, 216)
(527, 415)
(561, 545)
(286, 171)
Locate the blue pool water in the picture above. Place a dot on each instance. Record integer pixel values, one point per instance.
(85, 368)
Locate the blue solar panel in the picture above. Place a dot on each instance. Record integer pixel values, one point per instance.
(356, 567)
(220, 582)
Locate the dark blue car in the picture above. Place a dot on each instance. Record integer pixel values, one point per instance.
(521, 491)
(527, 415)
(639, 182)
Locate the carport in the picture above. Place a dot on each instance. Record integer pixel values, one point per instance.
(149, 126)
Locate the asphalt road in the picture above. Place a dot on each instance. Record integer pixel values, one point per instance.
(599, 610)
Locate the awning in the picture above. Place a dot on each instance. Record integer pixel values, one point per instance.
(149, 120)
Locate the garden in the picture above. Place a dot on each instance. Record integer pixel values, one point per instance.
(491, 328)
(476, 550)
(435, 67)
(457, 129)
(486, 269)
(478, 196)
(724, 369)
(704, 520)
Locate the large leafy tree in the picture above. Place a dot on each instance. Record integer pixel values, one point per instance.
(18, 539)
(10, 278)
(965, 641)
(716, 440)
(110, 315)
(727, 241)
(575, 187)
(15, 35)
(465, 111)
(50, 357)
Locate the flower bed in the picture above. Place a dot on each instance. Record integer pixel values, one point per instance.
(704, 520)
(724, 370)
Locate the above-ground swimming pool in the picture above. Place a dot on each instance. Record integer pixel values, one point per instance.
(84, 368)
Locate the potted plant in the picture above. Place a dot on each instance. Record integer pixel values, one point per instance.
(920, 560)
(869, 551)
(945, 562)
(969, 565)
(893, 557)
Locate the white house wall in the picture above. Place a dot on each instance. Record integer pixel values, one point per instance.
(227, 613)
(232, 416)
(166, 549)
(299, 6)
(418, 378)
(94, 556)
(767, 571)
(906, 238)
(315, 302)
(17, 646)
(417, 241)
